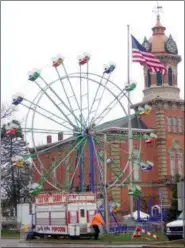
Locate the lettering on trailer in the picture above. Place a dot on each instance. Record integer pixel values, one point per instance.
(58, 198)
(58, 229)
(51, 229)
(81, 198)
(54, 198)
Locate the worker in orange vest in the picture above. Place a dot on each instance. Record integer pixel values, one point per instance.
(95, 222)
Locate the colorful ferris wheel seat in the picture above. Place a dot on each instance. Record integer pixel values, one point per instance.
(109, 69)
(146, 166)
(18, 161)
(144, 111)
(19, 164)
(17, 100)
(11, 128)
(151, 139)
(130, 87)
(84, 59)
(34, 75)
(57, 61)
(134, 190)
(35, 189)
(11, 132)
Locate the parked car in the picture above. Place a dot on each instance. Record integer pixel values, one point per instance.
(174, 229)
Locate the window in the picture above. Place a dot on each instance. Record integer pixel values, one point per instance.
(169, 124)
(170, 77)
(172, 164)
(179, 121)
(159, 79)
(82, 213)
(149, 79)
(180, 163)
(174, 124)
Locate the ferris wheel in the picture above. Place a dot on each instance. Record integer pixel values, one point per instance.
(90, 112)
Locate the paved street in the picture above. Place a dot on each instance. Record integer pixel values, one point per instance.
(16, 243)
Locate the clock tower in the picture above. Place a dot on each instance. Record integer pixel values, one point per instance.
(165, 49)
(161, 92)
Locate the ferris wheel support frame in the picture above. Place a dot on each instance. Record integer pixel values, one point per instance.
(81, 123)
(91, 162)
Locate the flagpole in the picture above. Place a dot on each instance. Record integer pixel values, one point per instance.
(129, 121)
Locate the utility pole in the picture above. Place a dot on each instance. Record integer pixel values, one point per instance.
(129, 124)
(14, 193)
(106, 207)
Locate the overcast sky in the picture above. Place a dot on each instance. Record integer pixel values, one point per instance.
(34, 32)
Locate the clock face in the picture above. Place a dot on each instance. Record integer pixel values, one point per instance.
(171, 46)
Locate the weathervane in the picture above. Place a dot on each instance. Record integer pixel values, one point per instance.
(157, 10)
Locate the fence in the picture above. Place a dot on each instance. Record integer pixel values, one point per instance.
(119, 228)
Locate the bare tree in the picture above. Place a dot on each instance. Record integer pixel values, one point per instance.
(15, 181)
(7, 112)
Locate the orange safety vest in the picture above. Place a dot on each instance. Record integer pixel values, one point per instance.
(97, 220)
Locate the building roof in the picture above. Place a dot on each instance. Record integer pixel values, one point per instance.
(120, 124)
(136, 123)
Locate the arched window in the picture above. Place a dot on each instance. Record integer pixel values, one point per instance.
(172, 164)
(170, 76)
(179, 121)
(149, 78)
(159, 79)
(174, 120)
(180, 163)
(169, 124)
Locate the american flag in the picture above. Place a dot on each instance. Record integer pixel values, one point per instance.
(140, 54)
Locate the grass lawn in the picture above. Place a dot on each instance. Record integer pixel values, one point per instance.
(119, 239)
(10, 233)
(122, 238)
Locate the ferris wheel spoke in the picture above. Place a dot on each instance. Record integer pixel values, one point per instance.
(44, 109)
(122, 172)
(71, 183)
(116, 170)
(109, 143)
(43, 179)
(75, 143)
(74, 148)
(99, 99)
(38, 130)
(69, 164)
(82, 119)
(65, 115)
(97, 90)
(77, 103)
(87, 121)
(67, 96)
(125, 181)
(56, 164)
(78, 163)
(109, 107)
(98, 160)
(117, 97)
(51, 147)
(48, 117)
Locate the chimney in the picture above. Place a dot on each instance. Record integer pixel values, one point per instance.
(49, 139)
(60, 136)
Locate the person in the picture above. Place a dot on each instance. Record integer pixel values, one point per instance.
(95, 222)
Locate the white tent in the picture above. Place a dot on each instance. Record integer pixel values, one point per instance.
(135, 215)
